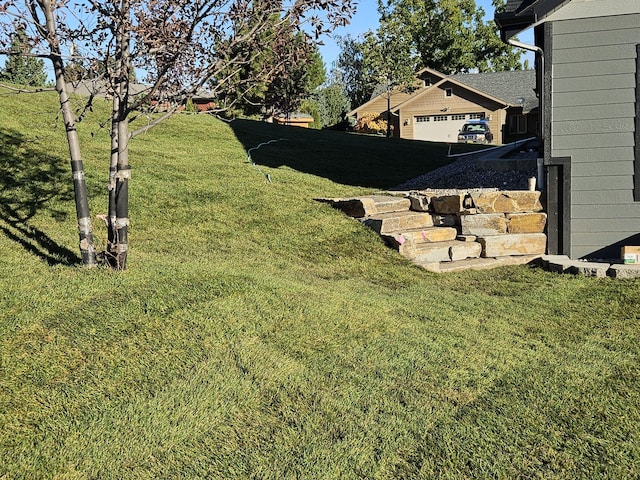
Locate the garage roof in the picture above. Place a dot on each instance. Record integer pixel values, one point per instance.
(514, 88)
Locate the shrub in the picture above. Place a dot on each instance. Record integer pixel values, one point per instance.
(371, 123)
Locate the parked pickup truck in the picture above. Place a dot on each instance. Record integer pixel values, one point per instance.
(475, 131)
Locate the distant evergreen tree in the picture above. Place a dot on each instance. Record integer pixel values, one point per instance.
(21, 68)
(333, 103)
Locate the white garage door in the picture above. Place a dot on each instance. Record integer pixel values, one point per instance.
(439, 128)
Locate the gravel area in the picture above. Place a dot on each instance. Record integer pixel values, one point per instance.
(466, 172)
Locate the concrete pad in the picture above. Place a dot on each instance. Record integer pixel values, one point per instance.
(546, 259)
(560, 265)
(588, 269)
(624, 271)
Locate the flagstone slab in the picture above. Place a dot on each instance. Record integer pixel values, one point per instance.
(517, 201)
(395, 222)
(483, 224)
(513, 244)
(526, 222)
(369, 205)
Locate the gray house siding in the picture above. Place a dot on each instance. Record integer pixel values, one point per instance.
(592, 102)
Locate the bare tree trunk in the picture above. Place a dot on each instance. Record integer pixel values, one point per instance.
(119, 169)
(113, 170)
(85, 230)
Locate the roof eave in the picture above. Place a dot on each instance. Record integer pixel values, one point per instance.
(511, 25)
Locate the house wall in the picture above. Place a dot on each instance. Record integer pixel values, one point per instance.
(592, 105)
(531, 125)
(433, 101)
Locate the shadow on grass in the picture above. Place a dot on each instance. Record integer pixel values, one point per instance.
(31, 180)
(345, 158)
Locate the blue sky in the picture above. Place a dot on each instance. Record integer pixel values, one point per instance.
(366, 18)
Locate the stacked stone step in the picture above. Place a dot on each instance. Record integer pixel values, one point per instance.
(504, 223)
(454, 230)
(423, 237)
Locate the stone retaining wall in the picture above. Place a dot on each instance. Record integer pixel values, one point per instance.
(446, 230)
(451, 230)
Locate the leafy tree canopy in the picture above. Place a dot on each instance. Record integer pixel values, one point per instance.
(450, 36)
(383, 60)
(297, 78)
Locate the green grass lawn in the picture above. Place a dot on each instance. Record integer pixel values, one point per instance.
(260, 334)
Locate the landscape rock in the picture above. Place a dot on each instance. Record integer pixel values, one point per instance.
(483, 224)
(448, 204)
(517, 201)
(431, 252)
(444, 227)
(513, 244)
(423, 235)
(366, 206)
(526, 222)
(419, 202)
(395, 222)
(588, 269)
(462, 250)
(466, 238)
(444, 220)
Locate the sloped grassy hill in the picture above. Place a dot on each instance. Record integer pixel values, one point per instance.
(260, 334)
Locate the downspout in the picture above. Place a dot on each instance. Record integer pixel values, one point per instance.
(540, 54)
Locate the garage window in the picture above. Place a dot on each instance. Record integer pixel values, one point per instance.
(422, 118)
(476, 116)
(440, 118)
(459, 116)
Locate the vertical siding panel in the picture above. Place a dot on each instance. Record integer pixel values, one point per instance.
(591, 73)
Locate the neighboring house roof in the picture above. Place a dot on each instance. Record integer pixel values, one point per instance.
(513, 88)
(430, 71)
(450, 80)
(397, 98)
